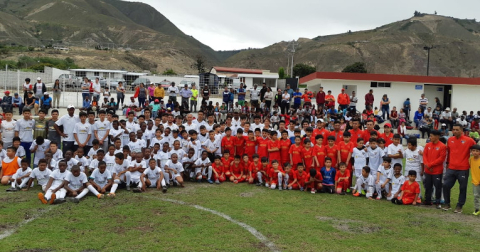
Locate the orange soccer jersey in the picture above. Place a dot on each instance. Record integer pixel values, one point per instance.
(250, 147)
(228, 143)
(262, 149)
(307, 156)
(239, 146)
(296, 152)
(284, 150)
(332, 152)
(274, 155)
(319, 152)
(409, 191)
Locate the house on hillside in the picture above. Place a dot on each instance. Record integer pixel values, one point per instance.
(249, 77)
(453, 92)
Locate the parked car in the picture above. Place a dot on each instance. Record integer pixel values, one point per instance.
(138, 81)
(114, 83)
(165, 84)
(188, 82)
(70, 80)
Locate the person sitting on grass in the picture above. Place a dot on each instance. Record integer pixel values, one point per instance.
(236, 171)
(397, 181)
(101, 180)
(366, 182)
(10, 165)
(41, 174)
(218, 170)
(21, 177)
(175, 169)
(136, 168)
(55, 191)
(76, 184)
(328, 175)
(384, 176)
(276, 175)
(314, 181)
(153, 177)
(342, 179)
(410, 191)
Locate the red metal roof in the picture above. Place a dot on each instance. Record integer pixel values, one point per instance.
(390, 78)
(238, 70)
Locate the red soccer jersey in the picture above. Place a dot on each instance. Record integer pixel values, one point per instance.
(388, 138)
(226, 163)
(301, 177)
(338, 136)
(317, 176)
(307, 156)
(262, 149)
(239, 146)
(254, 168)
(356, 135)
(409, 190)
(291, 176)
(274, 155)
(228, 143)
(296, 152)
(250, 146)
(284, 150)
(237, 168)
(459, 152)
(319, 152)
(218, 168)
(325, 133)
(274, 174)
(366, 135)
(332, 152)
(433, 157)
(339, 174)
(345, 149)
(246, 167)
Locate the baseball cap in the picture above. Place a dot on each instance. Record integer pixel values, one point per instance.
(343, 89)
(16, 94)
(156, 100)
(320, 120)
(39, 78)
(70, 106)
(46, 93)
(444, 125)
(169, 108)
(7, 92)
(447, 109)
(387, 125)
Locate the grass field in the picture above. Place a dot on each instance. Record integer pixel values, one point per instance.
(290, 221)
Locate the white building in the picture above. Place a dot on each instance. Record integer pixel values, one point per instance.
(453, 92)
(249, 77)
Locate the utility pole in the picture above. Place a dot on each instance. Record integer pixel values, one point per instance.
(292, 51)
(428, 48)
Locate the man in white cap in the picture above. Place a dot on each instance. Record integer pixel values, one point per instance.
(39, 88)
(68, 122)
(446, 117)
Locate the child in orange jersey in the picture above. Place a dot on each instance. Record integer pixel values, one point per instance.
(236, 170)
(262, 149)
(228, 142)
(263, 173)
(332, 150)
(246, 166)
(308, 155)
(285, 144)
(301, 176)
(290, 177)
(250, 144)
(345, 149)
(274, 147)
(226, 161)
(255, 167)
(276, 175)
(342, 179)
(296, 152)
(319, 152)
(410, 191)
(240, 143)
(218, 170)
(314, 181)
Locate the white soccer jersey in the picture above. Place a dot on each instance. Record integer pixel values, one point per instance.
(176, 166)
(360, 157)
(368, 181)
(8, 131)
(42, 177)
(110, 161)
(397, 183)
(413, 161)
(180, 154)
(163, 157)
(136, 174)
(159, 141)
(40, 152)
(136, 147)
(153, 174)
(58, 177)
(57, 155)
(76, 183)
(393, 150)
(20, 172)
(374, 159)
(83, 130)
(385, 173)
(99, 178)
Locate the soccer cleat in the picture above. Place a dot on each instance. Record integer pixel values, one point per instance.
(267, 185)
(12, 189)
(59, 201)
(259, 184)
(458, 209)
(41, 197)
(357, 194)
(111, 195)
(279, 188)
(100, 196)
(301, 189)
(446, 207)
(363, 192)
(164, 189)
(477, 212)
(217, 181)
(290, 188)
(419, 201)
(73, 200)
(235, 181)
(439, 206)
(348, 190)
(313, 191)
(209, 181)
(52, 200)
(137, 190)
(379, 198)
(128, 187)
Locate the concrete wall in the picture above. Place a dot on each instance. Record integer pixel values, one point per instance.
(466, 97)
(432, 91)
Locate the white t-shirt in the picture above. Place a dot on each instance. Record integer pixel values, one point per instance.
(25, 129)
(82, 130)
(393, 150)
(57, 155)
(136, 174)
(101, 128)
(189, 127)
(254, 126)
(110, 161)
(40, 152)
(58, 177)
(82, 162)
(397, 183)
(68, 124)
(216, 144)
(76, 183)
(99, 178)
(92, 152)
(159, 141)
(360, 157)
(163, 157)
(41, 176)
(117, 168)
(385, 173)
(153, 174)
(180, 154)
(8, 131)
(176, 166)
(116, 132)
(202, 162)
(254, 94)
(413, 161)
(20, 172)
(70, 164)
(20, 152)
(136, 147)
(374, 159)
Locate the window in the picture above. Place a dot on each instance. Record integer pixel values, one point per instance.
(375, 84)
(96, 73)
(81, 73)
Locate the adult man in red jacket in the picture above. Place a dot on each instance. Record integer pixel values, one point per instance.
(320, 99)
(369, 99)
(343, 100)
(434, 155)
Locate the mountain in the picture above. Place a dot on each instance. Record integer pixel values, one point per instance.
(396, 48)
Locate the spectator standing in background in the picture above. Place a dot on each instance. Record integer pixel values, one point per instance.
(369, 99)
(407, 107)
(423, 102)
(320, 99)
(57, 91)
(385, 103)
(353, 102)
(343, 100)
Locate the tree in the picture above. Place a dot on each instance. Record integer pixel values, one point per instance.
(199, 64)
(169, 71)
(357, 67)
(302, 70)
(281, 73)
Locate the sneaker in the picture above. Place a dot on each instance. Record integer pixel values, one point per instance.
(280, 188)
(52, 200)
(100, 196)
(348, 190)
(378, 198)
(137, 190)
(458, 209)
(259, 184)
(111, 195)
(342, 193)
(477, 212)
(199, 180)
(128, 187)
(74, 200)
(363, 192)
(267, 185)
(442, 201)
(439, 206)
(357, 194)
(217, 181)
(41, 197)
(419, 201)
(312, 191)
(301, 189)
(209, 181)
(59, 201)
(164, 189)
(12, 189)
(446, 207)
(235, 181)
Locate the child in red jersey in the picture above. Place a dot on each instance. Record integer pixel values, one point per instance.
(308, 155)
(285, 144)
(308, 135)
(345, 149)
(218, 170)
(246, 166)
(410, 190)
(240, 143)
(342, 179)
(236, 170)
(255, 167)
(228, 142)
(314, 181)
(332, 150)
(276, 175)
(262, 141)
(262, 174)
(296, 152)
(274, 147)
(319, 152)
(250, 144)
(226, 161)
(290, 177)
(301, 176)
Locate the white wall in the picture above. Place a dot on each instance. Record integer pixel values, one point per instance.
(431, 92)
(466, 97)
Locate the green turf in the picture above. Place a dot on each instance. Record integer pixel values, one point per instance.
(292, 220)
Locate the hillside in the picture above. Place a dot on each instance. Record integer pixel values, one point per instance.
(396, 48)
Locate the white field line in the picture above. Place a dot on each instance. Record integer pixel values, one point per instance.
(249, 228)
(10, 231)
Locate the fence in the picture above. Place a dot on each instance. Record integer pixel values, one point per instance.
(13, 80)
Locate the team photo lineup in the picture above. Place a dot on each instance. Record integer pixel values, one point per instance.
(310, 142)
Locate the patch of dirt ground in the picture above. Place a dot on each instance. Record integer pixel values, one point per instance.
(350, 226)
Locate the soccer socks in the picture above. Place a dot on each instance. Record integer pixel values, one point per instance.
(163, 183)
(166, 176)
(280, 180)
(259, 177)
(114, 186)
(93, 190)
(286, 180)
(209, 173)
(82, 194)
(24, 183)
(14, 183)
(128, 176)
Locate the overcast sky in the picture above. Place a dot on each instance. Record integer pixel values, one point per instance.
(228, 24)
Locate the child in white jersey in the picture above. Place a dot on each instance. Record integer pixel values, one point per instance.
(414, 161)
(395, 150)
(21, 177)
(375, 155)
(203, 168)
(175, 169)
(153, 177)
(359, 155)
(101, 180)
(365, 182)
(383, 178)
(397, 181)
(55, 192)
(136, 168)
(77, 186)
(41, 174)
